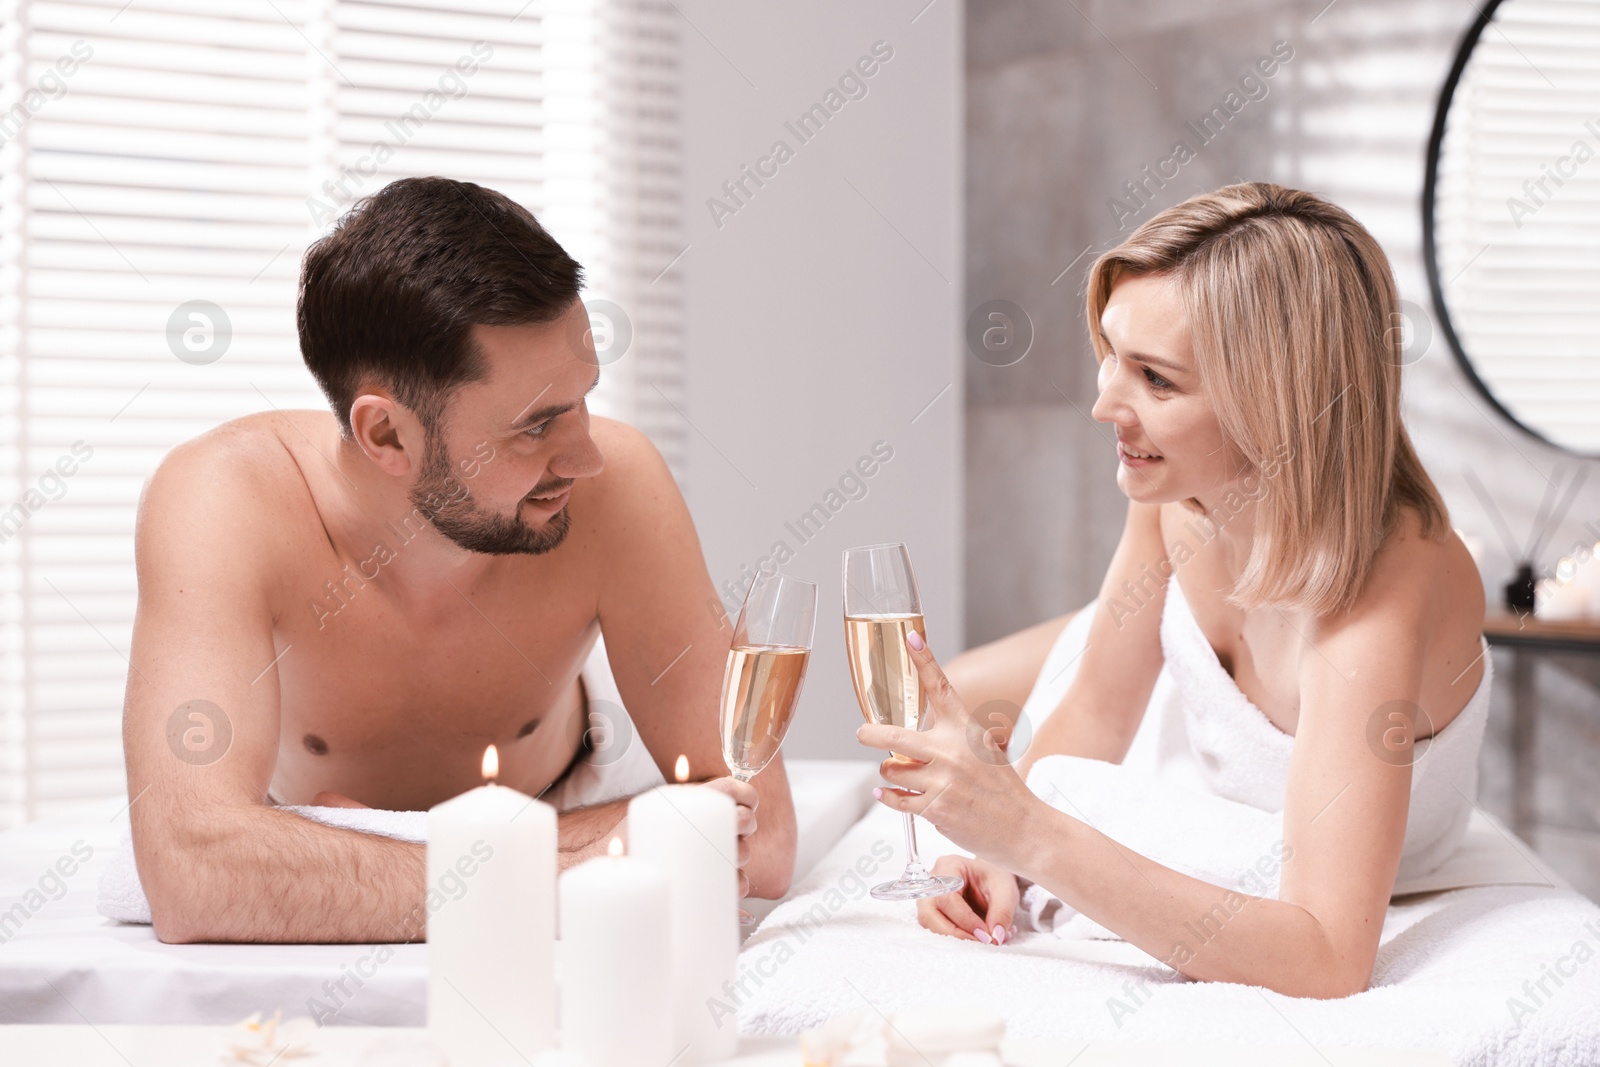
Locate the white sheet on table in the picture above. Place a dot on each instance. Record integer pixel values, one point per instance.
(1448, 966)
(66, 959)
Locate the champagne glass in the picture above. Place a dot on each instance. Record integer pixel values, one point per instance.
(881, 606)
(766, 667)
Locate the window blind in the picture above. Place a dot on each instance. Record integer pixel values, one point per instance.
(163, 165)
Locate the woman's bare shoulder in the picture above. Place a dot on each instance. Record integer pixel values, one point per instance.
(1419, 587)
(1437, 568)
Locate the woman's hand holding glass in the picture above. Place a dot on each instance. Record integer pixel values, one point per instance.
(954, 773)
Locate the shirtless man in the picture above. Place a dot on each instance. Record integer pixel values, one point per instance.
(371, 597)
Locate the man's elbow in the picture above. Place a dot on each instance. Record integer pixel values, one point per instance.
(177, 912)
(173, 869)
(773, 880)
(175, 929)
(781, 876)
(777, 847)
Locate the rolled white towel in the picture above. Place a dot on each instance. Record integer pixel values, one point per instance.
(1227, 842)
(1217, 840)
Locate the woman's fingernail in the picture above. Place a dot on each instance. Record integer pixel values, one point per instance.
(877, 794)
(999, 934)
(1011, 931)
(914, 639)
(982, 935)
(863, 726)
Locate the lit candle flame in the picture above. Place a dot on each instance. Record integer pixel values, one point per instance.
(491, 764)
(681, 770)
(615, 847)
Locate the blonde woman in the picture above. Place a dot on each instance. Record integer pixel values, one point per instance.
(1278, 516)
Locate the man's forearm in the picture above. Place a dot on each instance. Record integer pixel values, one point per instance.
(772, 847)
(772, 853)
(587, 832)
(269, 876)
(263, 875)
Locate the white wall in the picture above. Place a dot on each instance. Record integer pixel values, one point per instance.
(823, 313)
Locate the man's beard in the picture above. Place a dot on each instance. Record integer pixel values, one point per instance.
(476, 530)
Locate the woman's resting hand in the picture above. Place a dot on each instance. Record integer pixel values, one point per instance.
(982, 911)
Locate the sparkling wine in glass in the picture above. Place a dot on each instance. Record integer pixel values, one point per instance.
(766, 667)
(881, 606)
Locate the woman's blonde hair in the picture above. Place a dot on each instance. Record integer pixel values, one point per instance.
(1297, 335)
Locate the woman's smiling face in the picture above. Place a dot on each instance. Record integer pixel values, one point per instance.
(1151, 394)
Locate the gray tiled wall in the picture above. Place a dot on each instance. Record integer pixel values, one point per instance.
(1065, 103)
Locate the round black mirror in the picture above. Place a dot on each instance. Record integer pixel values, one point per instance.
(1511, 215)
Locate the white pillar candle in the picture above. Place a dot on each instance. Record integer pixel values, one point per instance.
(491, 925)
(1559, 601)
(691, 832)
(616, 963)
(1588, 579)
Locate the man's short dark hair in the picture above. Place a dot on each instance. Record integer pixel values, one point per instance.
(390, 296)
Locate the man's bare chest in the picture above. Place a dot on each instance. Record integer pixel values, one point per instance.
(501, 651)
(372, 695)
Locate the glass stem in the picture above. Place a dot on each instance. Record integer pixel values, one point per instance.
(915, 872)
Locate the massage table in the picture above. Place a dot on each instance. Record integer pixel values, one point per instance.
(1440, 993)
(65, 963)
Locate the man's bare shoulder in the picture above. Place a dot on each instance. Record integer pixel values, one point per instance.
(636, 480)
(238, 486)
(634, 508)
(248, 456)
